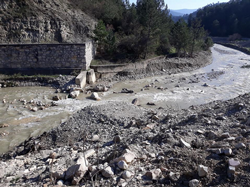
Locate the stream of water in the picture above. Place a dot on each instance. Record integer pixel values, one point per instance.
(225, 79)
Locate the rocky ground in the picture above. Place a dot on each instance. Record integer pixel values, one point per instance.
(119, 144)
(122, 144)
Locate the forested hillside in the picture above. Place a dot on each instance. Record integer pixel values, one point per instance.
(224, 19)
(142, 29)
(121, 30)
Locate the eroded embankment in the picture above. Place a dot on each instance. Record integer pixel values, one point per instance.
(152, 67)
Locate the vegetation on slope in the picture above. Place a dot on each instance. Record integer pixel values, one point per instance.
(140, 30)
(224, 19)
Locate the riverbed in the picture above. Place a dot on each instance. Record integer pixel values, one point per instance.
(223, 79)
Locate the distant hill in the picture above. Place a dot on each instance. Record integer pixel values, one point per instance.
(225, 19)
(181, 12)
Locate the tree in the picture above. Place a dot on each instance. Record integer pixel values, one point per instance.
(180, 36)
(149, 12)
(197, 35)
(101, 35)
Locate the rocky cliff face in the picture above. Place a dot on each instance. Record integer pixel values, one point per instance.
(43, 21)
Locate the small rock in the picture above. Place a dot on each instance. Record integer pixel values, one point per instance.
(52, 155)
(135, 102)
(35, 109)
(95, 96)
(122, 165)
(174, 176)
(56, 98)
(150, 103)
(74, 94)
(202, 171)
(205, 85)
(89, 153)
(60, 183)
(230, 139)
(227, 152)
(194, 183)
(79, 169)
(219, 151)
(211, 135)
(3, 125)
(240, 146)
(152, 155)
(117, 139)
(234, 163)
(185, 144)
(154, 174)
(125, 90)
(127, 175)
(225, 135)
(108, 172)
(128, 157)
(230, 171)
(200, 132)
(248, 121)
(95, 138)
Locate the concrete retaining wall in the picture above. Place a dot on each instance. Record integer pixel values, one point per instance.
(45, 57)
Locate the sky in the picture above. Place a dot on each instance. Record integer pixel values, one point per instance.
(187, 4)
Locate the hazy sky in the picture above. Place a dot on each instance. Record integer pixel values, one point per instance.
(189, 4)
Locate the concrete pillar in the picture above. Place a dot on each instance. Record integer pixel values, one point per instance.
(81, 79)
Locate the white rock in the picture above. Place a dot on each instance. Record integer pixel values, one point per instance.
(95, 96)
(122, 165)
(154, 174)
(89, 153)
(174, 176)
(60, 183)
(128, 157)
(200, 131)
(34, 109)
(230, 139)
(95, 138)
(233, 162)
(202, 171)
(108, 172)
(127, 175)
(185, 144)
(74, 94)
(79, 169)
(194, 183)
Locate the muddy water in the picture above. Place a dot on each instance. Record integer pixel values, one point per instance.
(225, 79)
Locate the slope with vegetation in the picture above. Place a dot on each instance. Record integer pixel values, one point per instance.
(224, 19)
(141, 30)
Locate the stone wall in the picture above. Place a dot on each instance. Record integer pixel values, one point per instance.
(37, 57)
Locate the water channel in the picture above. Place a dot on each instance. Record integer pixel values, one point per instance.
(225, 79)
